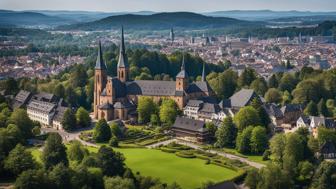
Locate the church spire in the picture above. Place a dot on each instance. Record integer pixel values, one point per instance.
(203, 72)
(122, 62)
(100, 65)
(182, 73)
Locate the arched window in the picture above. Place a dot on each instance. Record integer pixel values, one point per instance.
(122, 74)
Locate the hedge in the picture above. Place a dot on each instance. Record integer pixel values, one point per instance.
(168, 150)
(185, 154)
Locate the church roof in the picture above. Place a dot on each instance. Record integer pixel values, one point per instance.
(105, 106)
(199, 86)
(100, 64)
(122, 62)
(182, 73)
(151, 88)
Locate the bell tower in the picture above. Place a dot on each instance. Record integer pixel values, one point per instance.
(99, 80)
(123, 68)
(182, 78)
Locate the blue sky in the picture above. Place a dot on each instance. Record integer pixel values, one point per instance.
(168, 5)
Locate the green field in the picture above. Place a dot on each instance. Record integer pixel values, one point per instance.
(188, 173)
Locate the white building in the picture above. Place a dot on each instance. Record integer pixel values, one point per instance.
(41, 111)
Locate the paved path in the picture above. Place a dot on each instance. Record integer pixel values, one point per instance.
(75, 136)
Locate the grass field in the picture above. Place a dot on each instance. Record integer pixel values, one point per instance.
(188, 173)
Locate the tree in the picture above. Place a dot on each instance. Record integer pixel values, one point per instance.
(111, 162)
(272, 82)
(247, 77)
(273, 95)
(325, 176)
(258, 140)
(116, 130)
(322, 108)
(224, 84)
(154, 119)
(20, 118)
(226, 134)
(244, 140)
(102, 131)
(168, 111)
(69, 120)
(76, 151)
(287, 82)
(83, 117)
(293, 152)
(114, 142)
(118, 183)
(60, 176)
(245, 117)
(311, 109)
(273, 177)
(59, 91)
(259, 85)
(308, 90)
(19, 160)
(263, 115)
(286, 98)
(211, 130)
(252, 178)
(325, 134)
(31, 179)
(54, 151)
(146, 107)
(277, 146)
(306, 170)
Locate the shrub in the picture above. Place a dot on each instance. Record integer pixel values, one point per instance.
(185, 154)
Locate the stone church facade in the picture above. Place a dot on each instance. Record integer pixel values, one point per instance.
(117, 97)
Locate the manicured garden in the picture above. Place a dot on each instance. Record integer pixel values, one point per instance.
(189, 173)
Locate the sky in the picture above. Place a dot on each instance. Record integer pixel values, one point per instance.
(168, 5)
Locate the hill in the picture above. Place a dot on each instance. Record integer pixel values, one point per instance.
(266, 14)
(159, 21)
(31, 19)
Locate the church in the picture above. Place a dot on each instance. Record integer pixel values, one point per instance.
(117, 97)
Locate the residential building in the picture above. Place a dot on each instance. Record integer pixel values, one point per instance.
(190, 129)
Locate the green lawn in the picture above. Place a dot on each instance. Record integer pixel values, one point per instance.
(188, 173)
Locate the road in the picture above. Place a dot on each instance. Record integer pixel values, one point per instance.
(75, 136)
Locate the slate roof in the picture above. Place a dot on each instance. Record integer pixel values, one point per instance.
(291, 108)
(273, 110)
(182, 73)
(210, 108)
(100, 64)
(226, 103)
(195, 103)
(189, 124)
(120, 105)
(119, 86)
(21, 98)
(199, 86)
(41, 106)
(59, 113)
(327, 122)
(328, 148)
(243, 98)
(152, 88)
(123, 61)
(105, 106)
(47, 97)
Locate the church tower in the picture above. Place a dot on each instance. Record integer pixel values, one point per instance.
(123, 68)
(182, 78)
(99, 81)
(203, 72)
